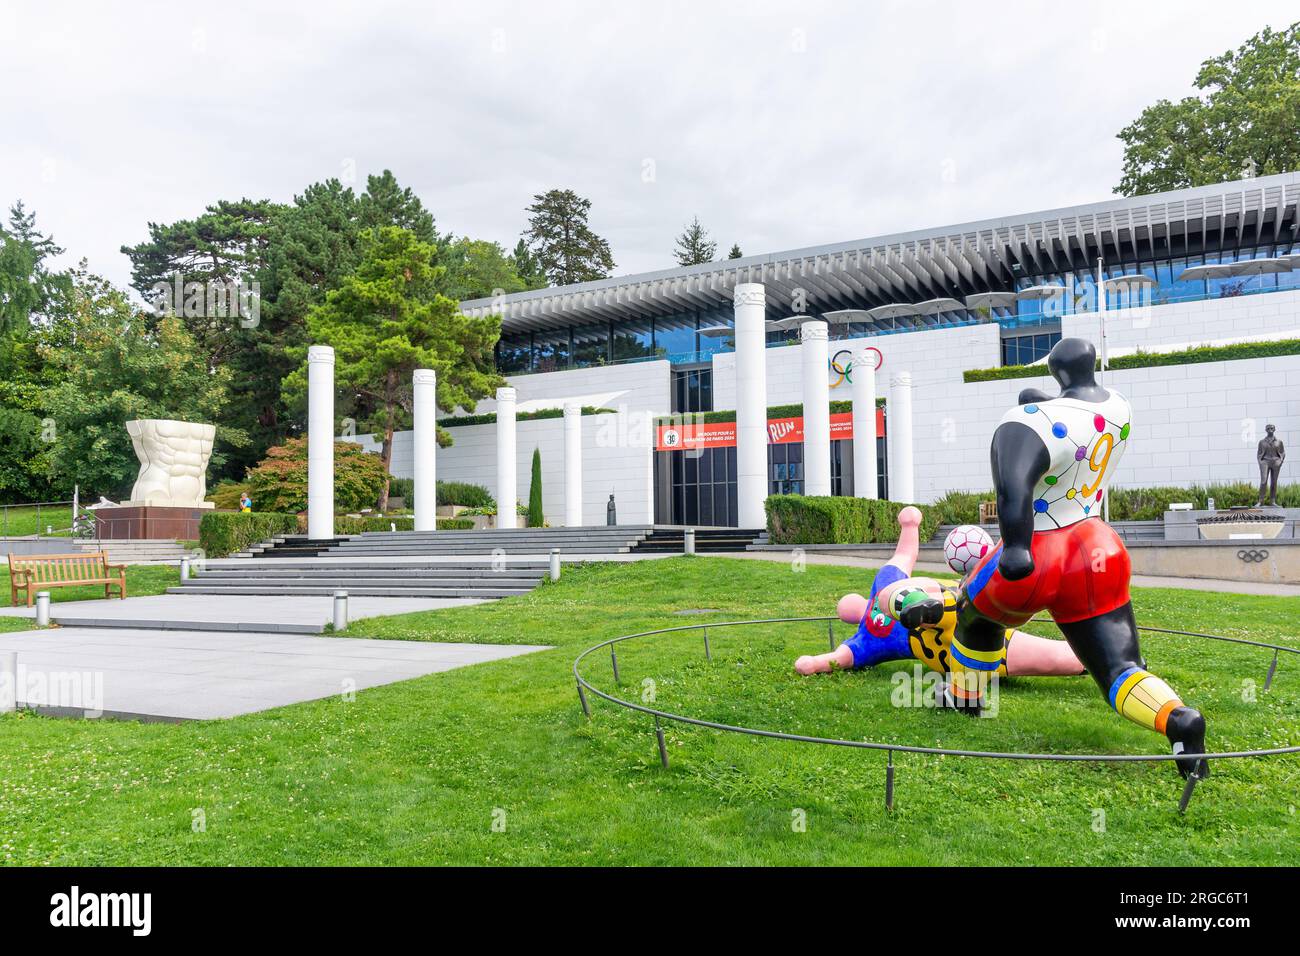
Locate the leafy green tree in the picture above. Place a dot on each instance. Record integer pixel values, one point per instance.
(225, 245)
(117, 363)
(735, 252)
(1245, 123)
(536, 516)
(477, 269)
(27, 285)
(279, 482)
(694, 245)
(387, 319)
(31, 296)
(562, 242)
(527, 267)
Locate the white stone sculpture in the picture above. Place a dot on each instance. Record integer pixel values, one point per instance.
(173, 462)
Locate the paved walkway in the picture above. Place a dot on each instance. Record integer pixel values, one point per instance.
(197, 675)
(270, 614)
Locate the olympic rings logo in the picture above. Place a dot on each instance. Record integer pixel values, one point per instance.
(841, 364)
(1252, 556)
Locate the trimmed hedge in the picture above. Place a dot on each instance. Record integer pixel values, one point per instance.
(490, 417)
(1127, 504)
(800, 519)
(347, 524)
(225, 532)
(1192, 356)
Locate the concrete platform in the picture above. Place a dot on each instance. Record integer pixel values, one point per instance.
(195, 675)
(266, 614)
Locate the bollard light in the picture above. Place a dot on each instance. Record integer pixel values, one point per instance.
(689, 539)
(555, 564)
(340, 610)
(42, 608)
(8, 682)
(185, 569)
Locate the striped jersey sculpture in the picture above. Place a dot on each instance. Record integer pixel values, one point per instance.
(1052, 459)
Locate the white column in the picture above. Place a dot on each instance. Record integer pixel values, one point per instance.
(424, 407)
(751, 404)
(865, 479)
(320, 442)
(902, 474)
(816, 409)
(573, 465)
(507, 494)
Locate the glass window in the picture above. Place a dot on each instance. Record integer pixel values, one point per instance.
(590, 345)
(633, 340)
(675, 335)
(551, 349)
(514, 354)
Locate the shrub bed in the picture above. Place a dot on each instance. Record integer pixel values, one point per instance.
(225, 532)
(800, 519)
(347, 524)
(1127, 504)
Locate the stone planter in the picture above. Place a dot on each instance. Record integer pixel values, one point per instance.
(1246, 523)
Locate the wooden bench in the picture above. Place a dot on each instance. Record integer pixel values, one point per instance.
(30, 572)
(988, 512)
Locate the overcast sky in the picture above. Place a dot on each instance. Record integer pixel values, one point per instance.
(779, 124)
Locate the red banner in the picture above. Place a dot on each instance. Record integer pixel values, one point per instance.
(780, 431)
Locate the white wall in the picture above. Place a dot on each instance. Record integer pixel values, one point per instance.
(616, 447)
(1272, 314)
(1191, 423)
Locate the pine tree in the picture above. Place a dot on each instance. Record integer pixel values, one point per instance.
(536, 516)
(694, 245)
(735, 252)
(527, 267)
(566, 249)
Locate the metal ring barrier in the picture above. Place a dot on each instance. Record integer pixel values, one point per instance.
(662, 715)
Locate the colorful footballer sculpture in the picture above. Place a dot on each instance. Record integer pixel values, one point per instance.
(910, 618)
(1052, 458)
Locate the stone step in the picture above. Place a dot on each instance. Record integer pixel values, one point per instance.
(389, 572)
(207, 581)
(377, 591)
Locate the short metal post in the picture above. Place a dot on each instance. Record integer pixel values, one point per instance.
(8, 682)
(613, 662)
(42, 608)
(689, 541)
(586, 708)
(1192, 779)
(830, 633)
(708, 654)
(663, 747)
(185, 569)
(889, 782)
(555, 564)
(340, 610)
(1272, 669)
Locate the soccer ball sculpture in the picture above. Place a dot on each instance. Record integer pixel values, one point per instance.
(965, 546)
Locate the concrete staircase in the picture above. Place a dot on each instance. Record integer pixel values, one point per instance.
(142, 551)
(462, 579)
(620, 539)
(707, 540)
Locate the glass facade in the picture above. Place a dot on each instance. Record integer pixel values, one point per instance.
(676, 337)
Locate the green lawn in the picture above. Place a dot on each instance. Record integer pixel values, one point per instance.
(418, 772)
(141, 581)
(21, 521)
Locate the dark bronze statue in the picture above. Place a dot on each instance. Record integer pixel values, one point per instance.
(1270, 455)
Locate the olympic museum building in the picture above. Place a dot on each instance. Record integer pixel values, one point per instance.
(705, 388)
